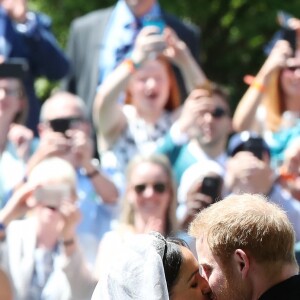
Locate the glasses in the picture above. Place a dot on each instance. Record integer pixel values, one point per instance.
(292, 68)
(217, 113)
(11, 92)
(63, 124)
(158, 187)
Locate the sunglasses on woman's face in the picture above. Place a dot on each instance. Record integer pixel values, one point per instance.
(158, 187)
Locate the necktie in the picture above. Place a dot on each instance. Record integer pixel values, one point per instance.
(125, 49)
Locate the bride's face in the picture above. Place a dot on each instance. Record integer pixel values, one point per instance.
(190, 284)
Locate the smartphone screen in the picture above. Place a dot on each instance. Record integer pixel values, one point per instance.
(211, 186)
(155, 21)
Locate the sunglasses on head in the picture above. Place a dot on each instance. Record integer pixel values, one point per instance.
(158, 187)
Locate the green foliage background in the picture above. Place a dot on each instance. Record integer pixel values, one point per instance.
(233, 31)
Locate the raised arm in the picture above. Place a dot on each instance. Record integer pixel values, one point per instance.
(244, 116)
(178, 52)
(108, 116)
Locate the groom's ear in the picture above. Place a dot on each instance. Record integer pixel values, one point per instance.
(241, 260)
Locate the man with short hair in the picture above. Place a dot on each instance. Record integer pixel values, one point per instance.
(65, 132)
(245, 248)
(201, 131)
(249, 170)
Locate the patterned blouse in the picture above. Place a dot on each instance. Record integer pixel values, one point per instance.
(138, 137)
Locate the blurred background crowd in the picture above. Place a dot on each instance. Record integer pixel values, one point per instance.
(129, 119)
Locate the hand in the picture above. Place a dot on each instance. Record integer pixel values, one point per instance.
(176, 50)
(16, 9)
(195, 202)
(71, 217)
(82, 147)
(248, 174)
(190, 112)
(53, 144)
(148, 42)
(278, 57)
(21, 137)
(18, 204)
(291, 163)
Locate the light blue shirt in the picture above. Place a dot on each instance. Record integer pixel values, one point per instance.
(119, 33)
(96, 216)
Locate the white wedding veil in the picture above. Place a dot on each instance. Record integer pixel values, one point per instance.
(137, 272)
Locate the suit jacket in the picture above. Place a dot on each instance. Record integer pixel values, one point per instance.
(70, 280)
(40, 49)
(84, 46)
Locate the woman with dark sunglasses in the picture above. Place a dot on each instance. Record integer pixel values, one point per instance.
(154, 268)
(149, 204)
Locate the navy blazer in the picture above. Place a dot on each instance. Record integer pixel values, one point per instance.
(39, 47)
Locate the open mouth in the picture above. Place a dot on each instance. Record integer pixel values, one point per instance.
(51, 207)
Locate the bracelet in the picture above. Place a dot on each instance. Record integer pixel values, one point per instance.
(254, 83)
(68, 243)
(285, 175)
(258, 86)
(92, 174)
(131, 65)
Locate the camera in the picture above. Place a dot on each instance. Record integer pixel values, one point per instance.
(211, 186)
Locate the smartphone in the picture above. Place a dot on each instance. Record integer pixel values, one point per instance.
(283, 19)
(155, 21)
(52, 195)
(211, 186)
(14, 68)
(288, 33)
(255, 145)
(63, 124)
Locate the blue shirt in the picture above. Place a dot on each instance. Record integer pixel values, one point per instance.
(120, 32)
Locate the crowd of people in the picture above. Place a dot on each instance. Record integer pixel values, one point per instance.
(135, 167)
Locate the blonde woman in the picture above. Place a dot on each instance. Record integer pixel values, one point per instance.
(149, 204)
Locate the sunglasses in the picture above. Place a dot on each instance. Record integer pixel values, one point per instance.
(63, 124)
(158, 187)
(292, 68)
(9, 92)
(217, 113)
